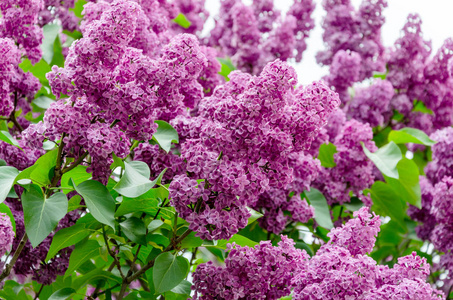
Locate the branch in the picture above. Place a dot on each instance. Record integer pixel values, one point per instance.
(9, 266)
(115, 259)
(76, 163)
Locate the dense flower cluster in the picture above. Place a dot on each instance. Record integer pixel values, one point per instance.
(268, 120)
(195, 12)
(6, 234)
(263, 272)
(278, 207)
(353, 171)
(59, 9)
(115, 91)
(18, 21)
(344, 71)
(342, 270)
(256, 35)
(346, 28)
(339, 270)
(371, 104)
(17, 88)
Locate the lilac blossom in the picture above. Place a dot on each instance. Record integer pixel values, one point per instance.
(346, 28)
(19, 22)
(371, 104)
(256, 35)
(353, 171)
(262, 272)
(6, 234)
(236, 173)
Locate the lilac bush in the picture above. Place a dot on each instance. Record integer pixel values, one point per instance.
(146, 156)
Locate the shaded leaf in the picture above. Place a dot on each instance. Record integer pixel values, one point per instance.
(62, 294)
(410, 135)
(169, 271)
(82, 252)
(42, 215)
(67, 237)
(326, 152)
(182, 21)
(165, 135)
(319, 202)
(385, 159)
(7, 178)
(98, 200)
(134, 183)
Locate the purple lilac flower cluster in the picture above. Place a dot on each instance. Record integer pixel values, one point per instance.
(371, 104)
(59, 10)
(115, 92)
(341, 269)
(17, 88)
(19, 22)
(195, 12)
(276, 205)
(255, 35)
(353, 171)
(351, 30)
(6, 234)
(435, 216)
(263, 272)
(240, 144)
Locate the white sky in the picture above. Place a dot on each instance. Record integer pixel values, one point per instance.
(437, 26)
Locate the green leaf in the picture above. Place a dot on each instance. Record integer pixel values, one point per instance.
(78, 8)
(410, 135)
(74, 202)
(58, 58)
(379, 75)
(95, 276)
(165, 135)
(227, 67)
(238, 239)
(39, 70)
(7, 178)
(326, 152)
(386, 202)
(354, 205)
(169, 271)
(62, 294)
(319, 202)
(82, 252)
(6, 210)
(135, 181)
(183, 288)
(191, 241)
(42, 215)
(98, 200)
(182, 21)
(50, 32)
(255, 215)
(43, 169)
(385, 159)
(7, 138)
(155, 224)
(79, 174)
(135, 230)
(67, 237)
(407, 186)
(421, 107)
(43, 102)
